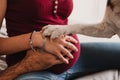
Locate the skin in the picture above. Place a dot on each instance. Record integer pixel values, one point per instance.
(26, 65)
(18, 43)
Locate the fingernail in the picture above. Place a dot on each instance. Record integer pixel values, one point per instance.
(67, 62)
(76, 49)
(71, 56)
(76, 42)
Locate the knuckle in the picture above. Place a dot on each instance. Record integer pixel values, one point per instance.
(66, 52)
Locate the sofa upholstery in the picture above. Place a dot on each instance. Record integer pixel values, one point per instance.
(103, 75)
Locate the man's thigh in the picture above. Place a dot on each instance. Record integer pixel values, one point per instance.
(42, 75)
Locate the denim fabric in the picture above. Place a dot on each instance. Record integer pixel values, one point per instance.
(94, 57)
(42, 75)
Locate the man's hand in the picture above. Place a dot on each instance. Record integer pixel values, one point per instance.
(33, 61)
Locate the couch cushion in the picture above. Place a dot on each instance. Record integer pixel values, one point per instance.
(104, 75)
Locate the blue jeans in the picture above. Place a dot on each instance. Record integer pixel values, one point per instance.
(94, 57)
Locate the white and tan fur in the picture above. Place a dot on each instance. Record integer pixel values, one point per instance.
(107, 28)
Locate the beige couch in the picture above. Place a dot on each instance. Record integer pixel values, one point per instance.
(103, 75)
(3, 64)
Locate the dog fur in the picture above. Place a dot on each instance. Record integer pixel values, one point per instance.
(107, 28)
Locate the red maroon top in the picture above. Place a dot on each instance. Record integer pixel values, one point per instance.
(24, 16)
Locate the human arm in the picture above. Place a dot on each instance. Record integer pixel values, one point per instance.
(17, 43)
(26, 65)
(21, 42)
(41, 61)
(2, 10)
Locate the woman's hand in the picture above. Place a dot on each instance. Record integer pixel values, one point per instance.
(61, 47)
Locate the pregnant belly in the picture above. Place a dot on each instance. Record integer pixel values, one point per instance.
(63, 67)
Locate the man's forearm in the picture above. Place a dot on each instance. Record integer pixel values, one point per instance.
(41, 62)
(22, 67)
(12, 72)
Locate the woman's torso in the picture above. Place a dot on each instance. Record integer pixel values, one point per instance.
(24, 16)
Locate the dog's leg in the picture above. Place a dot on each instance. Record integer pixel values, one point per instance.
(96, 30)
(54, 31)
(103, 29)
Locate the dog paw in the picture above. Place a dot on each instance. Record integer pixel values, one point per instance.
(57, 33)
(54, 31)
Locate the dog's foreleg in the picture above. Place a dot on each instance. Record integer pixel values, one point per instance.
(95, 30)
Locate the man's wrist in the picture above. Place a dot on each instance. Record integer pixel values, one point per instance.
(12, 72)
